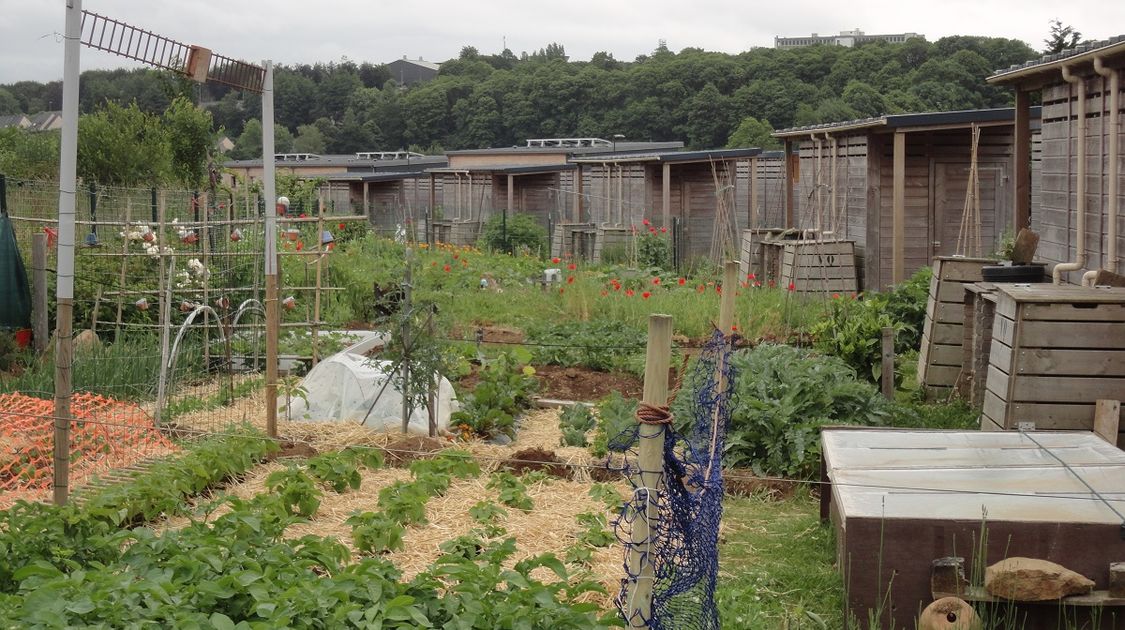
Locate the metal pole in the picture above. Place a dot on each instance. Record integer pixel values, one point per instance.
(165, 305)
(68, 182)
(406, 315)
(273, 319)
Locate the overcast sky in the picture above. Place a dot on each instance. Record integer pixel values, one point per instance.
(293, 31)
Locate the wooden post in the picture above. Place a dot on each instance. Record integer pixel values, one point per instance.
(39, 318)
(898, 222)
(1107, 419)
(1021, 162)
(407, 308)
(433, 210)
(650, 460)
(509, 209)
(872, 260)
(887, 379)
(792, 172)
(666, 184)
(752, 194)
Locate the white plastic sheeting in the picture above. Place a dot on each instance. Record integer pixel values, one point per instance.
(346, 388)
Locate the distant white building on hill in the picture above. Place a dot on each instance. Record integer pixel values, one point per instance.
(845, 38)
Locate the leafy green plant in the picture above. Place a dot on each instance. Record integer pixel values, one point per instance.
(340, 470)
(607, 494)
(654, 250)
(374, 533)
(512, 492)
(783, 395)
(454, 462)
(574, 422)
(596, 532)
(504, 390)
(616, 418)
(298, 492)
(515, 232)
(486, 512)
(603, 345)
(404, 502)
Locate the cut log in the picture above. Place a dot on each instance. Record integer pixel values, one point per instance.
(1034, 580)
(949, 613)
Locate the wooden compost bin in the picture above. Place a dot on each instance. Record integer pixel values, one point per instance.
(980, 309)
(750, 259)
(942, 354)
(818, 266)
(899, 499)
(1055, 351)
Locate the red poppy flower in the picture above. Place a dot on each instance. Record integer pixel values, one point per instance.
(341, 226)
(446, 268)
(301, 216)
(628, 293)
(682, 281)
(792, 287)
(734, 328)
(433, 263)
(572, 266)
(757, 285)
(663, 230)
(456, 256)
(300, 245)
(561, 290)
(699, 289)
(751, 276)
(652, 230)
(772, 284)
(605, 293)
(719, 289)
(646, 295)
(555, 260)
(656, 280)
(645, 222)
(835, 296)
(570, 279)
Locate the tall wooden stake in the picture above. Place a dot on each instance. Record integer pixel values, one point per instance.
(887, 379)
(650, 460)
(39, 318)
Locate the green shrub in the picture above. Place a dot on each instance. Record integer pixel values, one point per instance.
(654, 250)
(522, 233)
(603, 345)
(617, 415)
(782, 396)
(504, 390)
(574, 422)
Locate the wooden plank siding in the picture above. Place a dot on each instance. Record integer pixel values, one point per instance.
(1055, 203)
(942, 356)
(1055, 352)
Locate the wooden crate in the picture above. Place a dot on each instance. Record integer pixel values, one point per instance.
(751, 251)
(941, 356)
(980, 308)
(574, 239)
(1055, 351)
(818, 266)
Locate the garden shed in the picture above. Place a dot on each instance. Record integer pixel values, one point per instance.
(537, 179)
(693, 194)
(897, 185)
(1077, 214)
(390, 199)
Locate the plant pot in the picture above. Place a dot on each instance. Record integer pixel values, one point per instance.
(23, 337)
(1007, 274)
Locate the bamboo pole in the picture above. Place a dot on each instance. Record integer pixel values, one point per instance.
(39, 322)
(319, 275)
(407, 306)
(650, 459)
(121, 277)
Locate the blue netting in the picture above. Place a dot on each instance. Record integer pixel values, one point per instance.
(685, 510)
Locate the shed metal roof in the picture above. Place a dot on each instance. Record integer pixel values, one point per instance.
(1082, 53)
(508, 169)
(963, 117)
(347, 161)
(619, 147)
(670, 156)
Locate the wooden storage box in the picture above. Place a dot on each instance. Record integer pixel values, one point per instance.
(941, 356)
(1055, 351)
(818, 267)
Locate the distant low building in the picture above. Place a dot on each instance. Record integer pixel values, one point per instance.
(46, 121)
(224, 144)
(15, 120)
(410, 71)
(845, 38)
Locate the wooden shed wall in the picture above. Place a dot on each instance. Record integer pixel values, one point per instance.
(816, 188)
(1055, 216)
(769, 193)
(537, 195)
(693, 202)
(611, 194)
(456, 200)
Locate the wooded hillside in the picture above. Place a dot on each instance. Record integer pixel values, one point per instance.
(498, 100)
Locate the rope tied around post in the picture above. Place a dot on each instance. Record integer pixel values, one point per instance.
(653, 414)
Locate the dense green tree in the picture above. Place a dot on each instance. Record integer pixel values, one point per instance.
(248, 146)
(752, 132)
(9, 104)
(309, 139)
(864, 99)
(190, 136)
(28, 154)
(1062, 37)
(123, 146)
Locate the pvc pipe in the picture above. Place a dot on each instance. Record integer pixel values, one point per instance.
(1080, 245)
(1114, 158)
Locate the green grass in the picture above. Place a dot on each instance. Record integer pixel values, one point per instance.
(776, 566)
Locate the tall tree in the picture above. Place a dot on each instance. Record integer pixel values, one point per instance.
(123, 146)
(751, 133)
(1062, 37)
(190, 135)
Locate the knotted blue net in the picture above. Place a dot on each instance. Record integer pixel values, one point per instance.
(683, 512)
